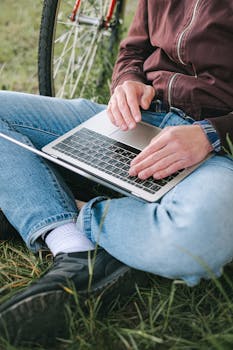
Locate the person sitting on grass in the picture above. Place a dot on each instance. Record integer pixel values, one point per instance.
(174, 70)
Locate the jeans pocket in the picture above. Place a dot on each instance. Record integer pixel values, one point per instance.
(153, 118)
(176, 117)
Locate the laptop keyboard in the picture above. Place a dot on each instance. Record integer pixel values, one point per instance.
(108, 155)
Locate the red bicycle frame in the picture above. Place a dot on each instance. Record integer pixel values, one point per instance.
(106, 21)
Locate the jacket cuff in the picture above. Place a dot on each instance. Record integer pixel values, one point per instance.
(211, 134)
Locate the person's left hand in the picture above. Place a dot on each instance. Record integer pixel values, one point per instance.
(175, 148)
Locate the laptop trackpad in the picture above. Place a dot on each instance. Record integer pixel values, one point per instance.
(139, 137)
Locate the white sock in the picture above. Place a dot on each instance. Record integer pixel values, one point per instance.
(67, 239)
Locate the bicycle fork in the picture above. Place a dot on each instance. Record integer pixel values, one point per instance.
(82, 19)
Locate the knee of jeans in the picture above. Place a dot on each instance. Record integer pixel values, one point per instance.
(189, 251)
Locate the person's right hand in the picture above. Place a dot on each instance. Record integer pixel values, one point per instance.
(124, 105)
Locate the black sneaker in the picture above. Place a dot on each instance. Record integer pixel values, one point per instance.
(38, 313)
(7, 231)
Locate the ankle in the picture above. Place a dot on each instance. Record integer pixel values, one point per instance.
(67, 239)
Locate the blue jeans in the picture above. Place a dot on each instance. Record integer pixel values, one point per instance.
(188, 234)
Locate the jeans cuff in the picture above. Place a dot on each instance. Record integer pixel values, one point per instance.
(84, 217)
(34, 243)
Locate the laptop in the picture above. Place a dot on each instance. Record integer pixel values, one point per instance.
(101, 152)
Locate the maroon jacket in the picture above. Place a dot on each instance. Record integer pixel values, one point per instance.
(184, 48)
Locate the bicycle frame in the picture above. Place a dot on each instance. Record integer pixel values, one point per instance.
(93, 21)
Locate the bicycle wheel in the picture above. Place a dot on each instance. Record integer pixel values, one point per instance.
(75, 59)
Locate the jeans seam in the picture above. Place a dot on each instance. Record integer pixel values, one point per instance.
(53, 218)
(21, 125)
(58, 188)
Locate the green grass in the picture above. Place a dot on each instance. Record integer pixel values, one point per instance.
(167, 314)
(19, 22)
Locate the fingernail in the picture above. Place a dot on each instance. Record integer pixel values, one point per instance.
(142, 176)
(137, 118)
(123, 127)
(132, 172)
(132, 125)
(156, 176)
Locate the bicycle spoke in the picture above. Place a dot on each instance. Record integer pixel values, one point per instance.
(91, 61)
(74, 66)
(70, 63)
(84, 64)
(64, 51)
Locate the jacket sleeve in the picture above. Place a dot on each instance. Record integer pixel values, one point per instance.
(198, 93)
(133, 50)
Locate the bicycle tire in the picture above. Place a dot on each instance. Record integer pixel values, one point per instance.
(56, 31)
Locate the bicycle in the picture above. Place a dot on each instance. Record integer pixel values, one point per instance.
(77, 45)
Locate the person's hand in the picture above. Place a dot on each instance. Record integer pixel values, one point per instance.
(175, 148)
(124, 105)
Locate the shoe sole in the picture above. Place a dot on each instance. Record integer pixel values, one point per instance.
(42, 318)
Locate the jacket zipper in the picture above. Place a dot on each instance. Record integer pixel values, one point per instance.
(169, 97)
(179, 53)
(185, 30)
